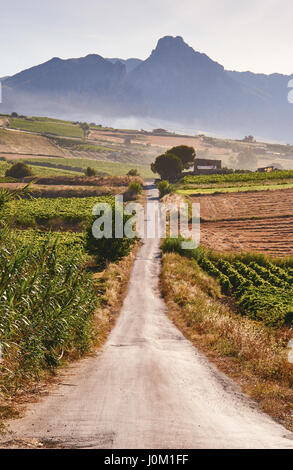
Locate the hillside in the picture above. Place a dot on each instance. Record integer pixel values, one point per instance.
(56, 146)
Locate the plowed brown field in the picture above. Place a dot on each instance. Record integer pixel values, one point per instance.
(260, 222)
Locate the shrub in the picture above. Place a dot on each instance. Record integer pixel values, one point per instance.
(90, 171)
(108, 249)
(19, 170)
(133, 172)
(165, 187)
(133, 190)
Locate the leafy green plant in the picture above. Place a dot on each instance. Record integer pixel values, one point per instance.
(165, 187)
(108, 249)
(19, 170)
(133, 190)
(90, 171)
(133, 172)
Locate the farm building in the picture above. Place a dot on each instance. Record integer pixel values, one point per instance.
(266, 169)
(205, 166)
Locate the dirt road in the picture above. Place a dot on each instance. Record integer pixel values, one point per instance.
(148, 388)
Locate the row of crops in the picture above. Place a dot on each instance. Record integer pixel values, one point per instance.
(47, 303)
(29, 212)
(263, 293)
(262, 288)
(47, 295)
(237, 177)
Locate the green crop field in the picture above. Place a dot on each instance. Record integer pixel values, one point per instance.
(237, 177)
(80, 164)
(262, 287)
(25, 212)
(46, 126)
(234, 189)
(263, 292)
(66, 242)
(3, 167)
(47, 302)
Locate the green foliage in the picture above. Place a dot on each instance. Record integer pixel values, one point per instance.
(262, 289)
(133, 172)
(260, 294)
(165, 187)
(46, 126)
(237, 177)
(134, 188)
(81, 164)
(186, 154)
(47, 305)
(168, 166)
(19, 170)
(90, 171)
(43, 210)
(108, 249)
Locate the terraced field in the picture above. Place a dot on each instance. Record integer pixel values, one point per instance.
(260, 222)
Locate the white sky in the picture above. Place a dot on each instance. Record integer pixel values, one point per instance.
(242, 35)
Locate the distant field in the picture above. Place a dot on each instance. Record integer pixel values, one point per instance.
(40, 211)
(80, 164)
(235, 182)
(12, 141)
(236, 177)
(235, 189)
(47, 126)
(259, 222)
(41, 170)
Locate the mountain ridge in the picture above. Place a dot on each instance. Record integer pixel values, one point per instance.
(175, 83)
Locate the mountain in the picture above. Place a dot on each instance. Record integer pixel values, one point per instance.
(130, 64)
(63, 85)
(175, 84)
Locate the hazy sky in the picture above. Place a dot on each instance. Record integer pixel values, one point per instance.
(251, 35)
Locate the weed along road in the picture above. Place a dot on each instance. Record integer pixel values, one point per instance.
(148, 388)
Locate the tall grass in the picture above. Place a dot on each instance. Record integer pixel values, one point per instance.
(47, 303)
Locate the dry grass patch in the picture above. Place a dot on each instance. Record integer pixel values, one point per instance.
(112, 286)
(256, 356)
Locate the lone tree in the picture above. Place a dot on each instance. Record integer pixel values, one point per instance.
(90, 171)
(186, 154)
(168, 166)
(19, 170)
(86, 129)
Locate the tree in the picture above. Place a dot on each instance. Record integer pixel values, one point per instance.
(168, 166)
(186, 154)
(249, 138)
(19, 170)
(90, 171)
(133, 172)
(86, 128)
